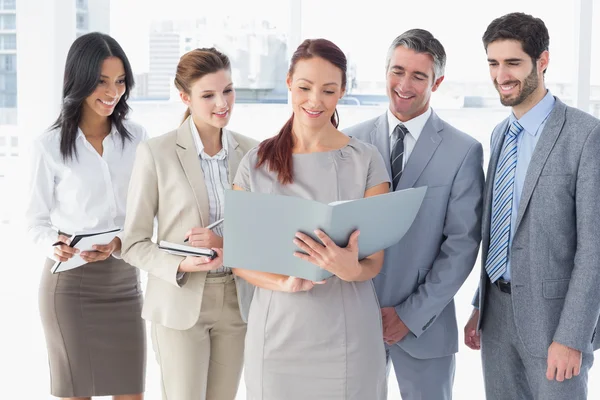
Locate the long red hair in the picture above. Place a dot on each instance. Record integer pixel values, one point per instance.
(276, 152)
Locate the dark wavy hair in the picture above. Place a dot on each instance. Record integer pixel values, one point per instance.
(276, 152)
(82, 75)
(530, 31)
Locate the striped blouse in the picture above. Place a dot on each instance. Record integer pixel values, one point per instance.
(216, 177)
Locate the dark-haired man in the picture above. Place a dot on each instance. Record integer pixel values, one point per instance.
(538, 303)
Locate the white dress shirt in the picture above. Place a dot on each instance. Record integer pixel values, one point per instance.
(86, 193)
(415, 127)
(216, 178)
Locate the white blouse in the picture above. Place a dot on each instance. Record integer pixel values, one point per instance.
(86, 193)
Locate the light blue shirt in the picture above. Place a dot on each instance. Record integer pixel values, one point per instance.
(533, 123)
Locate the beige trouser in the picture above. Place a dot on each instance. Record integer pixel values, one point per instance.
(204, 362)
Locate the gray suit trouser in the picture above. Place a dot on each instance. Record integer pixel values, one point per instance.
(421, 379)
(509, 371)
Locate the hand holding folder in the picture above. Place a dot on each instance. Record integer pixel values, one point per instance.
(83, 241)
(261, 227)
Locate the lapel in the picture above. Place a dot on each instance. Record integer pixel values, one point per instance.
(234, 155)
(380, 137)
(544, 146)
(190, 162)
(428, 142)
(495, 149)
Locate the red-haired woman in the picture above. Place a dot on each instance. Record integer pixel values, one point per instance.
(315, 340)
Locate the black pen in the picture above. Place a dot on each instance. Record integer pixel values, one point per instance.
(210, 226)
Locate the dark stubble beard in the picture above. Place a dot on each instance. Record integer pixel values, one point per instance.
(528, 86)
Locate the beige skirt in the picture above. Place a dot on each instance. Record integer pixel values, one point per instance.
(94, 332)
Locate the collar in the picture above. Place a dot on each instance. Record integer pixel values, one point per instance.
(200, 145)
(534, 118)
(415, 126)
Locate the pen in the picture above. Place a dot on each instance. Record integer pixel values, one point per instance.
(210, 226)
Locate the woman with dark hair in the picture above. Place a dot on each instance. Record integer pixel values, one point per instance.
(179, 180)
(315, 340)
(80, 174)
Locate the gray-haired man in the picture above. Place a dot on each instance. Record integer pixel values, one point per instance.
(423, 272)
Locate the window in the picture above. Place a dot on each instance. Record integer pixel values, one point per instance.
(2, 141)
(10, 84)
(8, 100)
(14, 141)
(7, 62)
(466, 75)
(82, 4)
(8, 41)
(81, 22)
(8, 22)
(8, 4)
(253, 37)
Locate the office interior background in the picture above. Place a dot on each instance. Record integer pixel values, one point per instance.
(259, 36)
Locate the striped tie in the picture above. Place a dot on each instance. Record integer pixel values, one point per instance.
(396, 156)
(502, 203)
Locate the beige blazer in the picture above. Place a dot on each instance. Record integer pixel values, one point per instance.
(167, 183)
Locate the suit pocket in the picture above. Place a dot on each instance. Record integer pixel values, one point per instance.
(554, 180)
(555, 288)
(436, 191)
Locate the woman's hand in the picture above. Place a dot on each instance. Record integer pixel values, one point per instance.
(102, 251)
(202, 237)
(292, 284)
(64, 252)
(340, 261)
(202, 264)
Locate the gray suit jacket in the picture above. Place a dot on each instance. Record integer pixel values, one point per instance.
(555, 253)
(422, 273)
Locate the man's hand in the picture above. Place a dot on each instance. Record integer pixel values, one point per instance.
(394, 329)
(472, 337)
(563, 362)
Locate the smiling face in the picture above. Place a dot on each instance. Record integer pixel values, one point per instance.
(316, 86)
(211, 99)
(410, 82)
(514, 74)
(109, 90)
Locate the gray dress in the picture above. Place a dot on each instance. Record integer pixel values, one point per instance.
(326, 343)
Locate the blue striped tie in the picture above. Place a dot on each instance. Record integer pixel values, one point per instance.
(502, 203)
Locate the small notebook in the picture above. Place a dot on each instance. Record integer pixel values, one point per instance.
(183, 250)
(84, 241)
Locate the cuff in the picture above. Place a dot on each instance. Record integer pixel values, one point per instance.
(416, 327)
(117, 254)
(47, 248)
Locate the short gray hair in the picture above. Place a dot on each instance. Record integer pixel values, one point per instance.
(421, 41)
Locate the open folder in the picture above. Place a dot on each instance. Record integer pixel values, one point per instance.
(259, 228)
(84, 241)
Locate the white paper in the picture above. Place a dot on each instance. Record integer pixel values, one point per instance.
(85, 244)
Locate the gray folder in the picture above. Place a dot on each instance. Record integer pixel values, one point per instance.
(259, 228)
